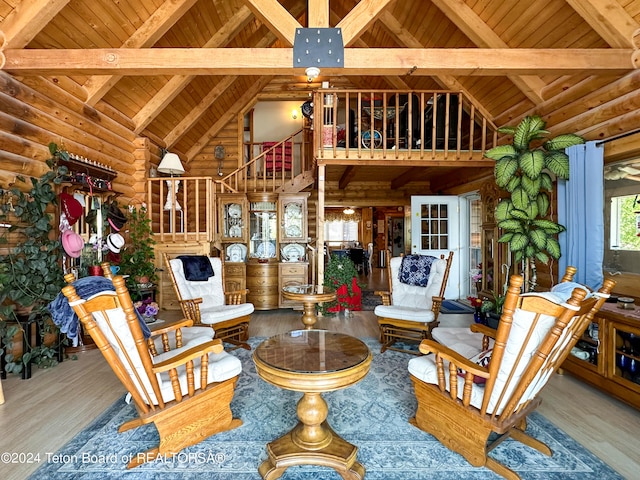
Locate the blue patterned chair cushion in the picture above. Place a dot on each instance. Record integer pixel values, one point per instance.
(415, 269)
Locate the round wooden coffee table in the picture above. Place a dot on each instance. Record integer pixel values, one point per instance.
(312, 362)
(309, 295)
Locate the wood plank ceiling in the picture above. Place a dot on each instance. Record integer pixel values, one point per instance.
(177, 71)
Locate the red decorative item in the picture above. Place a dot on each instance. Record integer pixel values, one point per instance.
(352, 302)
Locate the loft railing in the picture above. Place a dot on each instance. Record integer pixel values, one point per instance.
(385, 124)
(184, 216)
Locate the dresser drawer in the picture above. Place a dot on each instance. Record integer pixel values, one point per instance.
(232, 270)
(262, 281)
(288, 269)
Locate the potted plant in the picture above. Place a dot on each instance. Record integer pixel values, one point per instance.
(31, 274)
(138, 253)
(525, 172)
(341, 275)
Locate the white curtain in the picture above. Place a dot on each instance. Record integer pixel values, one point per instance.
(581, 211)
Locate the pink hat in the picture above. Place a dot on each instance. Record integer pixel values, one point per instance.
(72, 243)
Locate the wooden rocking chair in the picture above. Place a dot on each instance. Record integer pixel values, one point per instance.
(461, 401)
(206, 302)
(185, 392)
(409, 312)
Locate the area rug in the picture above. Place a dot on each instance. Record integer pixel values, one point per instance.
(453, 306)
(369, 300)
(372, 414)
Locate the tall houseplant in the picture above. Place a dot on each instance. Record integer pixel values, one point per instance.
(31, 274)
(525, 171)
(138, 254)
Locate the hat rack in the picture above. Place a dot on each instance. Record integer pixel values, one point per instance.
(86, 172)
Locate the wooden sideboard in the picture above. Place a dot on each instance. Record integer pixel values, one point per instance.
(262, 282)
(613, 361)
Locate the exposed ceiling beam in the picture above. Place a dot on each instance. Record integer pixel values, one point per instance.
(484, 37)
(410, 175)
(279, 61)
(27, 19)
(176, 84)
(406, 39)
(229, 116)
(318, 13)
(360, 18)
(347, 176)
(147, 35)
(191, 118)
(276, 18)
(609, 19)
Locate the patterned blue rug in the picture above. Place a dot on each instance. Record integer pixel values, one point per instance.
(372, 415)
(453, 306)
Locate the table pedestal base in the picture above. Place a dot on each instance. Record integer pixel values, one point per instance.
(312, 442)
(339, 455)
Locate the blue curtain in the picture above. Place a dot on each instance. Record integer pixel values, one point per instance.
(581, 210)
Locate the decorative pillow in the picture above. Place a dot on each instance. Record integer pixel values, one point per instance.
(415, 269)
(197, 268)
(483, 358)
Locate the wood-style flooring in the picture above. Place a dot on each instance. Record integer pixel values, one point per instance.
(43, 413)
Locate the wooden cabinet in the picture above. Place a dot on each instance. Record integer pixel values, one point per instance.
(292, 274)
(611, 358)
(263, 226)
(262, 282)
(234, 276)
(494, 254)
(232, 218)
(292, 211)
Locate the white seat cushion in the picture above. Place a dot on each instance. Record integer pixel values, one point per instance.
(210, 315)
(414, 296)
(400, 312)
(460, 339)
(188, 334)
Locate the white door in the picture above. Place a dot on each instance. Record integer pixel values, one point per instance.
(435, 230)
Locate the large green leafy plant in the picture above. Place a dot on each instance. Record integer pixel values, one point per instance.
(30, 272)
(526, 173)
(138, 254)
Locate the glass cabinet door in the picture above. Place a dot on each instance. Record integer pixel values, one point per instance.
(626, 362)
(293, 214)
(263, 229)
(232, 215)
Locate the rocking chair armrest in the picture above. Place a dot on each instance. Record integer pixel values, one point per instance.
(194, 301)
(185, 322)
(486, 330)
(212, 346)
(235, 297)
(445, 353)
(237, 292)
(386, 296)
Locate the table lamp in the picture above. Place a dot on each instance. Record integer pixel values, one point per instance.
(171, 165)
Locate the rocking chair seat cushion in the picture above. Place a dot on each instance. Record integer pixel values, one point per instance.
(412, 295)
(113, 323)
(212, 314)
(402, 312)
(460, 339)
(188, 334)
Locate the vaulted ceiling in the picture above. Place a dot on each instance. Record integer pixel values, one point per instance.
(177, 71)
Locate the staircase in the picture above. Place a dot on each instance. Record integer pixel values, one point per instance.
(279, 168)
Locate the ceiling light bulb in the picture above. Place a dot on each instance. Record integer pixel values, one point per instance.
(312, 73)
(348, 211)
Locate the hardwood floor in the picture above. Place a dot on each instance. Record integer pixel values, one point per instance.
(43, 413)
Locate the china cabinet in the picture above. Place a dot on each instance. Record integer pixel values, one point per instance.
(263, 226)
(608, 354)
(232, 216)
(292, 209)
(494, 255)
(292, 274)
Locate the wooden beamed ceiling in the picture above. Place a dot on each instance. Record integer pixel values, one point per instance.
(181, 70)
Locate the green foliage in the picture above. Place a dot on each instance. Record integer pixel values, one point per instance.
(31, 273)
(339, 271)
(523, 171)
(138, 254)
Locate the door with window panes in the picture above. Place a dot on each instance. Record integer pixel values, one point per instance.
(435, 230)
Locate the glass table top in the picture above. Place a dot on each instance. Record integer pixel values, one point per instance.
(312, 351)
(307, 289)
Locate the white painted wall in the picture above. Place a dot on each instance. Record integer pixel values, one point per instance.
(272, 120)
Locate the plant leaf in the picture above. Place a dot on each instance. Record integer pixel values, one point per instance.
(518, 242)
(508, 130)
(511, 225)
(532, 163)
(531, 186)
(546, 182)
(563, 141)
(496, 153)
(513, 183)
(538, 238)
(532, 211)
(536, 125)
(542, 257)
(521, 137)
(503, 210)
(543, 204)
(506, 238)
(553, 248)
(558, 163)
(548, 226)
(520, 199)
(505, 169)
(519, 214)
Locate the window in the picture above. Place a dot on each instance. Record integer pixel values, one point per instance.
(622, 217)
(337, 232)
